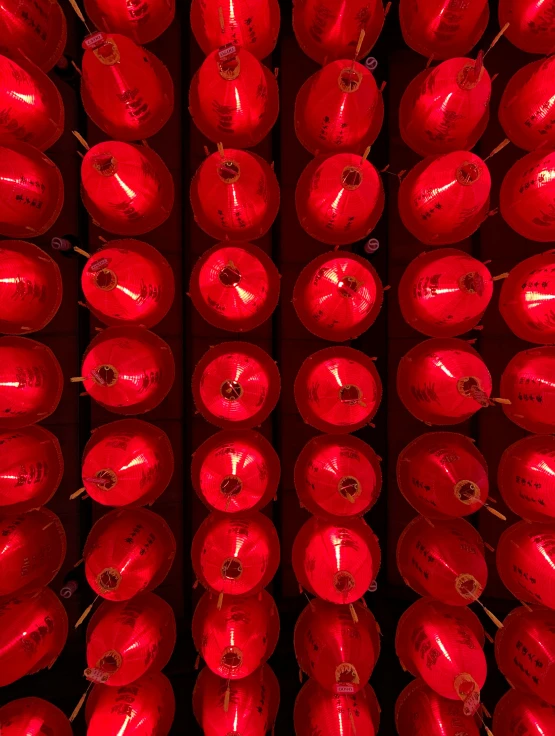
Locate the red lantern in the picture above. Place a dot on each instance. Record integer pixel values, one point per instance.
(319, 711)
(338, 390)
(330, 29)
(235, 287)
(531, 28)
(339, 109)
(338, 476)
(337, 651)
(33, 632)
(236, 384)
(420, 711)
(525, 477)
(527, 194)
(126, 189)
(235, 195)
(339, 198)
(147, 706)
(128, 639)
(31, 382)
(237, 637)
(127, 463)
(141, 21)
(126, 90)
(338, 296)
(38, 29)
(528, 382)
(443, 381)
(336, 563)
(128, 552)
(442, 475)
(446, 108)
(235, 555)
(31, 469)
(443, 29)
(517, 713)
(236, 470)
(444, 199)
(33, 717)
(128, 370)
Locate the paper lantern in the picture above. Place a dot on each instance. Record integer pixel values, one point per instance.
(127, 463)
(235, 470)
(531, 27)
(330, 29)
(128, 370)
(235, 287)
(339, 198)
(337, 651)
(126, 189)
(33, 632)
(319, 711)
(31, 382)
(527, 194)
(518, 713)
(141, 21)
(235, 555)
(338, 563)
(444, 199)
(238, 637)
(38, 29)
(419, 711)
(235, 195)
(129, 639)
(338, 390)
(33, 717)
(236, 384)
(252, 25)
(443, 29)
(528, 382)
(442, 475)
(31, 469)
(128, 283)
(444, 293)
(148, 705)
(338, 476)
(31, 191)
(443, 381)
(338, 296)
(339, 109)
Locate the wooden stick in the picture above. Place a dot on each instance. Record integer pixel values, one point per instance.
(79, 705)
(81, 140)
(79, 14)
(74, 65)
(77, 379)
(498, 148)
(77, 494)
(221, 19)
(490, 614)
(495, 512)
(353, 613)
(359, 44)
(496, 39)
(501, 277)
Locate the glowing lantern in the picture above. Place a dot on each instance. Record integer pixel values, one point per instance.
(141, 21)
(420, 711)
(531, 28)
(518, 713)
(33, 717)
(38, 29)
(528, 382)
(319, 711)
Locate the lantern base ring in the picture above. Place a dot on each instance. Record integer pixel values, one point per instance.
(351, 178)
(231, 390)
(106, 280)
(349, 487)
(110, 662)
(346, 674)
(231, 569)
(468, 587)
(467, 492)
(349, 79)
(105, 375)
(343, 581)
(109, 579)
(232, 658)
(231, 485)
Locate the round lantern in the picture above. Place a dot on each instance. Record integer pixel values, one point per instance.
(442, 475)
(128, 370)
(338, 296)
(443, 29)
(338, 390)
(236, 384)
(31, 382)
(235, 195)
(519, 713)
(235, 287)
(319, 711)
(446, 108)
(444, 293)
(126, 90)
(531, 28)
(443, 381)
(327, 30)
(128, 639)
(336, 651)
(525, 477)
(444, 199)
(31, 468)
(33, 632)
(30, 287)
(147, 706)
(31, 191)
(128, 552)
(127, 463)
(126, 189)
(420, 711)
(339, 198)
(527, 194)
(141, 21)
(338, 476)
(236, 638)
(236, 470)
(339, 109)
(235, 555)
(36, 28)
(336, 562)
(528, 382)
(33, 717)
